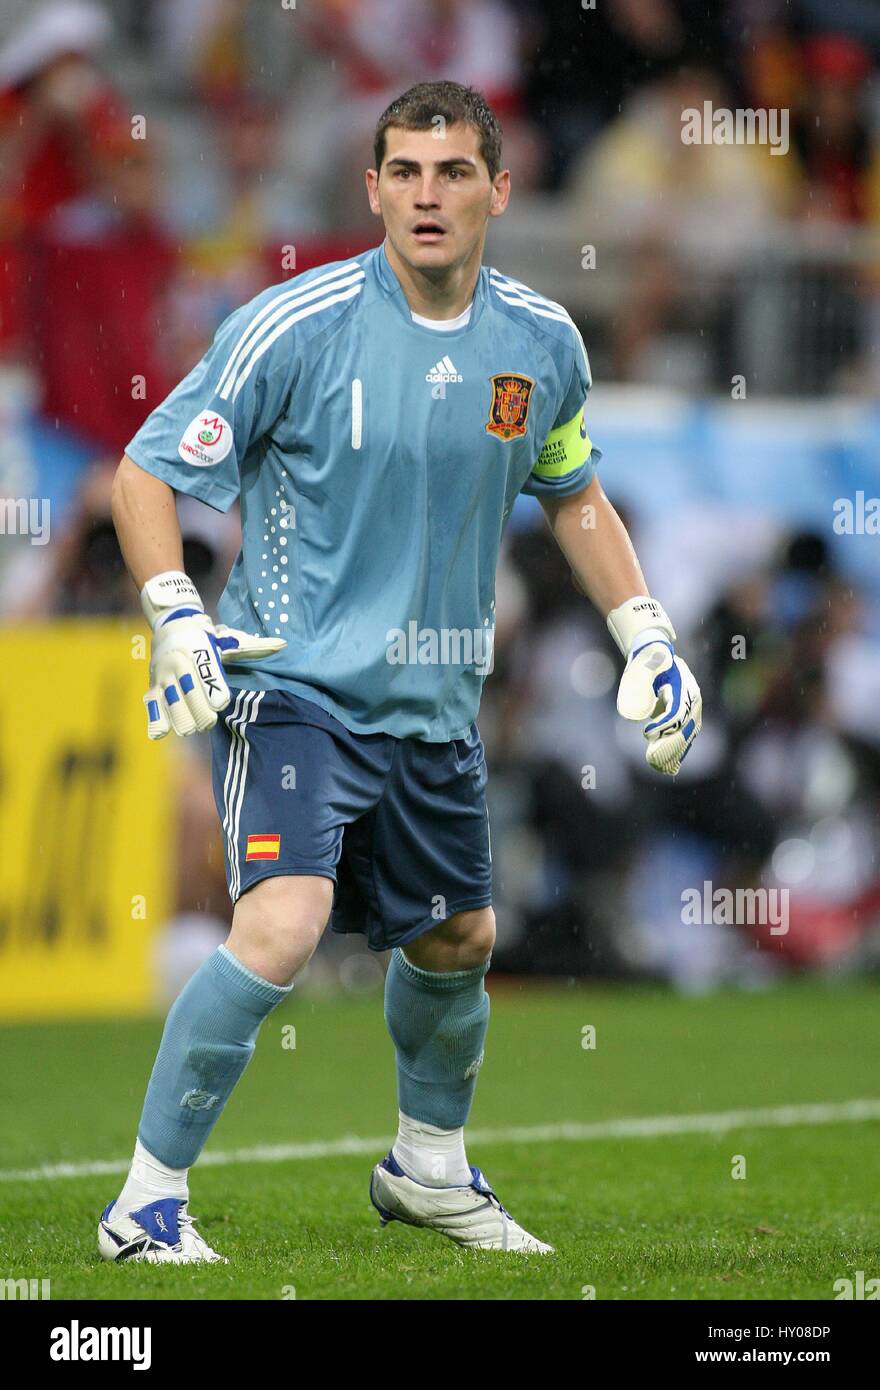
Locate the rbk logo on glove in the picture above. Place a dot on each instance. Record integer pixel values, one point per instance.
(187, 685)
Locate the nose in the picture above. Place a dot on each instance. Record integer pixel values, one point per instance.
(427, 193)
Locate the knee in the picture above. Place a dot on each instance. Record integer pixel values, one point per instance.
(278, 923)
(462, 942)
(477, 936)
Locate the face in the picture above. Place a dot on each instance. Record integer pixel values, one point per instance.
(435, 195)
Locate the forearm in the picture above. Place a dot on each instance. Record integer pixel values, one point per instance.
(656, 684)
(597, 546)
(145, 516)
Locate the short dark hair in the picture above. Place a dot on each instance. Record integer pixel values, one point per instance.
(420, 106)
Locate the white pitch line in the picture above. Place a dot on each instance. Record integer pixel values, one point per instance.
(638, 1127)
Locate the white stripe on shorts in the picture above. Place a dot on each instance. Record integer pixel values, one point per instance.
(246, 709)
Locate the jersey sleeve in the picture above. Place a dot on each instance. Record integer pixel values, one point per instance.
(567, 461)
(196, 440)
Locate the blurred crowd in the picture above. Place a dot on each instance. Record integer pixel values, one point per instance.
(163, 160)
(781, 790)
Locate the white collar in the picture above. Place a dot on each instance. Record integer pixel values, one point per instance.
(445, 325)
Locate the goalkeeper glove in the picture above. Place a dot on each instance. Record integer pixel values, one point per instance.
(656, 684)
(187, 684)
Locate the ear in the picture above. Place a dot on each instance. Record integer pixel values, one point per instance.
(500, 193)
(372, 180)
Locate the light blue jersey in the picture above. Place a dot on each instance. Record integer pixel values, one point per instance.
(377, 461)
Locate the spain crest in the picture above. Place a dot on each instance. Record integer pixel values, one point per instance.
(509, 411)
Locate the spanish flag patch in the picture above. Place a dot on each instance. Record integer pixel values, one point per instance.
(263, 846)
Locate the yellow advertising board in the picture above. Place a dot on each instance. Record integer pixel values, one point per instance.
(86, 818)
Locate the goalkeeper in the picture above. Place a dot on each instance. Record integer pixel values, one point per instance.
(376, 418)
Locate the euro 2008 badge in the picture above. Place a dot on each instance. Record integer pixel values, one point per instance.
(206, 441)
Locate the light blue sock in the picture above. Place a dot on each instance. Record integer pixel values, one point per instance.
(438, 1023)
(209, 1038)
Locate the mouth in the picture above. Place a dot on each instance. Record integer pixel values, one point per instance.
(428, 231)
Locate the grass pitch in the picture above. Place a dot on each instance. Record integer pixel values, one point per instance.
(636, 1217)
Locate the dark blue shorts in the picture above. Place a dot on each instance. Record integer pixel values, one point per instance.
(400, 825)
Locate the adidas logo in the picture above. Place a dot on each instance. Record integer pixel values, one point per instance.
(444, 370)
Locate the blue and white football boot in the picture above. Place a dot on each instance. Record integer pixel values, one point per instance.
(471, 1216)
(159, 1233)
